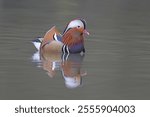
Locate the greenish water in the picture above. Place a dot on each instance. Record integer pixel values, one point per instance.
(117, 59)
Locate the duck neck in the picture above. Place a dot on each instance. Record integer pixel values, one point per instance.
(72, 38)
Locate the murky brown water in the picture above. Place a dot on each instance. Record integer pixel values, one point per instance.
(117, 60)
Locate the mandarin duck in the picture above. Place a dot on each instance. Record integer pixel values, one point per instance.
(71, 41)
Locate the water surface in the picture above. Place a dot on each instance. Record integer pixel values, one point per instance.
(117, 59)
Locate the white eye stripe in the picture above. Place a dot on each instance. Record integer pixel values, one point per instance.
(75, 23)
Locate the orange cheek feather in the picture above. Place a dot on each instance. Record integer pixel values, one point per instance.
(68, 37)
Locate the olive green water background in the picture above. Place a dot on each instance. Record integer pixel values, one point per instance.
(117, 59)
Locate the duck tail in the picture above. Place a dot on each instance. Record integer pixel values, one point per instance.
(37, 42)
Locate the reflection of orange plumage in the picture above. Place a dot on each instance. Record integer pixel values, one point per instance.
(71, 69)
(69, 65)
(47, 66)
(47, 62)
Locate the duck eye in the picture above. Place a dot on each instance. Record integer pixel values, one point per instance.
(78, 26)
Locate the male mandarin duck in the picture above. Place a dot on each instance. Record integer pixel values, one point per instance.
(71, 41)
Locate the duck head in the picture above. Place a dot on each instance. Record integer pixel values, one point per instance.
(74, 31)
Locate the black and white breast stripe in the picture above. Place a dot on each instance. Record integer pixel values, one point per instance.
(65, 49)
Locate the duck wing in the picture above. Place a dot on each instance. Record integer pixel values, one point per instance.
(49, 36)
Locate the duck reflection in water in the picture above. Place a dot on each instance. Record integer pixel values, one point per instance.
(69, 65)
